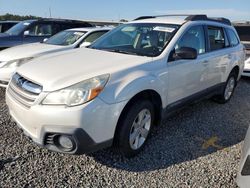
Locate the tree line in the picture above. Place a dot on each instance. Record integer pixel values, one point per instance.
(17, 17)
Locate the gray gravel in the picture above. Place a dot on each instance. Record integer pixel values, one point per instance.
(197, 147)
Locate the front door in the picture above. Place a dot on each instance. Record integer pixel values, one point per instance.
(186, 77)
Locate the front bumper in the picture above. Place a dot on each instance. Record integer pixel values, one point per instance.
(243, 177)
(91, 125)
(246, 71)
(5, 76)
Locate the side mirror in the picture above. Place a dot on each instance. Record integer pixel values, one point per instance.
(26, 33)
(44, 40)
(85, 44)
(185, 53)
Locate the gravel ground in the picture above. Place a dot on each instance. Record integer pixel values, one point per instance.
(197, 147)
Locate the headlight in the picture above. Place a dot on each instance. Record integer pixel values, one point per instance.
(79, 93)
(17, 62)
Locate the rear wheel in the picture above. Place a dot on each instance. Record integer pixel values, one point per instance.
(134, 128)
(228, 90)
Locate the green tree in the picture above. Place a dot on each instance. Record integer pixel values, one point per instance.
(17, 17)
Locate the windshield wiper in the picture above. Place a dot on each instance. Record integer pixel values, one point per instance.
(123, 52)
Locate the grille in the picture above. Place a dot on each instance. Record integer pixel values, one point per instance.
(24, 91)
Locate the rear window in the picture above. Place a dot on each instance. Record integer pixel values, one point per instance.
(243, 32)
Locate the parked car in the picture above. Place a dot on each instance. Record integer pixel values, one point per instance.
(243, 30)
(6, 25)
(243, 177)
(14, 57)
(115, 91)
(31, 31)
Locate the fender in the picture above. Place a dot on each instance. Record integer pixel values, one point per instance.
(237, 59)
(131, 84)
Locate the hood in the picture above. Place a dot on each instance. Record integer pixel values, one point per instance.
(28, 50)
(63, 69)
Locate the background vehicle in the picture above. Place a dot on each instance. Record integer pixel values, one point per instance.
(115, 91)
(243, 30)
(31, 31)
(13, 57)
(6, 25)
(243, 177)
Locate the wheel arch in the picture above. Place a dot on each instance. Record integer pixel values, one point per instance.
(148, 94)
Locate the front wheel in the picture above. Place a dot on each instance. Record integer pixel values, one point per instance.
(228, 90)
(134, 128)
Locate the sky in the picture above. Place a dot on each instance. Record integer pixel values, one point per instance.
(236, 10)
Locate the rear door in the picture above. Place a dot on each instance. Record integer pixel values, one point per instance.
(219, 56)
(186, 77)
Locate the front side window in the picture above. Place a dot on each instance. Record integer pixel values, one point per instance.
(193, 38)
(216, 38)
(18, 28)
(233, 40)
(145, 39)
(93, 36)
(41, 30)
(65, 38)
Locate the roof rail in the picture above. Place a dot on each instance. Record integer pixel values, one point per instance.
(190, 17)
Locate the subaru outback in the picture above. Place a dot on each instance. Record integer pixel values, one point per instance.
(115, 91)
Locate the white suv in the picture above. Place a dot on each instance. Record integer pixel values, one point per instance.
(115, 91)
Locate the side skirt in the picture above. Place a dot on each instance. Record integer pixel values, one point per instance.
(197, 97)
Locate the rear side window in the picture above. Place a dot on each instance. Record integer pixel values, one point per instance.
(233, 40)
(216, 38)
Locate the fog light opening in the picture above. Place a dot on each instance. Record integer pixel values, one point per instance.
(66, 143)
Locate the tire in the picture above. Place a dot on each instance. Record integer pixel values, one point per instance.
(228, 89)
(134, 128)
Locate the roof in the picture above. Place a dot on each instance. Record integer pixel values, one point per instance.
(9, 21)
(61, 20)
(181, 19)
(88, 29)
(166, 20)
(55, 20)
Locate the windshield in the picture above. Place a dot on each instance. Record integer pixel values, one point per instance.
(18, 28)
(65, 38)
(145, 39)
